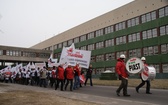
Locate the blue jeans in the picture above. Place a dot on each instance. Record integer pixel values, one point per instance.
(76, 82)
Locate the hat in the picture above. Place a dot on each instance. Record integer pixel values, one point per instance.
(143, 59)
(122, 56)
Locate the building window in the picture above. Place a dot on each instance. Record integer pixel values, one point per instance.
(152, 50)
(65, 44)
(165, 68)
(110, 56)
(148, 17)
(134, 37)
(92, 59)
(149, 33)
(70, 42)
(164, 49)
(164, 30)
(163, 12)
(1, 52)
(133, 22)
(83, 38)
(121, 40)
(60, 45)
(83, 48)
(120, 26)
(156, 66)
(121, 52)
(135, 53)
(109, 29)
(91, 47)
(99, 45)
(76, 40)
(55, 46)
(99, 32)
(109, 43)
(99, 58)
(91, 35)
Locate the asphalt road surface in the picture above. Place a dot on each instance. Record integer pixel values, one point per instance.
(158, 96)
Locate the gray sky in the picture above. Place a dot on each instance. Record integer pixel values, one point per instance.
(24, 23)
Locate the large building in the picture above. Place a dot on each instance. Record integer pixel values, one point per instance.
(139, 28)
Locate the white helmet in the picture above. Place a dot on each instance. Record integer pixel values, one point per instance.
(143, 59)
(122, 56)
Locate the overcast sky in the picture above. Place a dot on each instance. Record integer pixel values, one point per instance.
(24, 23)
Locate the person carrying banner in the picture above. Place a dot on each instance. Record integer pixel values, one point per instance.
(123, 75)
(89, 75)
(76, 78)
(60, 77)
(69, 73)
(143, 82)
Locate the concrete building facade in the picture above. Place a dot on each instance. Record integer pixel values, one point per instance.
(139, 28)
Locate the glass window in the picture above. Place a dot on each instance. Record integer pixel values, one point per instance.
(129, 23)
(166, 11)
(1, 52)
(129, 38)
(60, 45)
(162, 30)
(143, 18)
(91, 35)
(83, 38)
(149, 34)
(164, 49)
(117, 41)
(154, 32)
(144, 35)
(156, 51)
(138, 36)
(70, 42)
(150, 49)
(76, 40)
(161, 12)
(153, 15)
(165, 68)
(145, 51)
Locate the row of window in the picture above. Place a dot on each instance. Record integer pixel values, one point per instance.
(122, 25)
(156, 66)
(24, 53)
(146, 51)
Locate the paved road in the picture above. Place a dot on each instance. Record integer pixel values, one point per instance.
(103, 95)
(158, 96)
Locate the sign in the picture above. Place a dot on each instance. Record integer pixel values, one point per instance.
(72, 56)
(134, 65)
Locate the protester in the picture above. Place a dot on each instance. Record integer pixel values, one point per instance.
(43, 77)
(89, 75)
(27, 77)
(53, 76)
(76, 78)
(123, 75)
(69, 73)
(60, 77)
(143, 82)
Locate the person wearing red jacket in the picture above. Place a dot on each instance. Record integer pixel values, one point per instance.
(76, 76)
(69, 73)
(123, 75)
(60, 77)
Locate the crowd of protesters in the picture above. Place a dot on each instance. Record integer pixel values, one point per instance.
(57, 77)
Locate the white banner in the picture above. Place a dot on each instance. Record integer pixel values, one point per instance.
(72, 56)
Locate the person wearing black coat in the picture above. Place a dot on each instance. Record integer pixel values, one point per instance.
(89, 75)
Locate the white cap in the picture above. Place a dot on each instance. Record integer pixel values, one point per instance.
(122, 56)
(143, 58)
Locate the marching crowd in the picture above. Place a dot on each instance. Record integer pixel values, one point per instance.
(57, 77)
